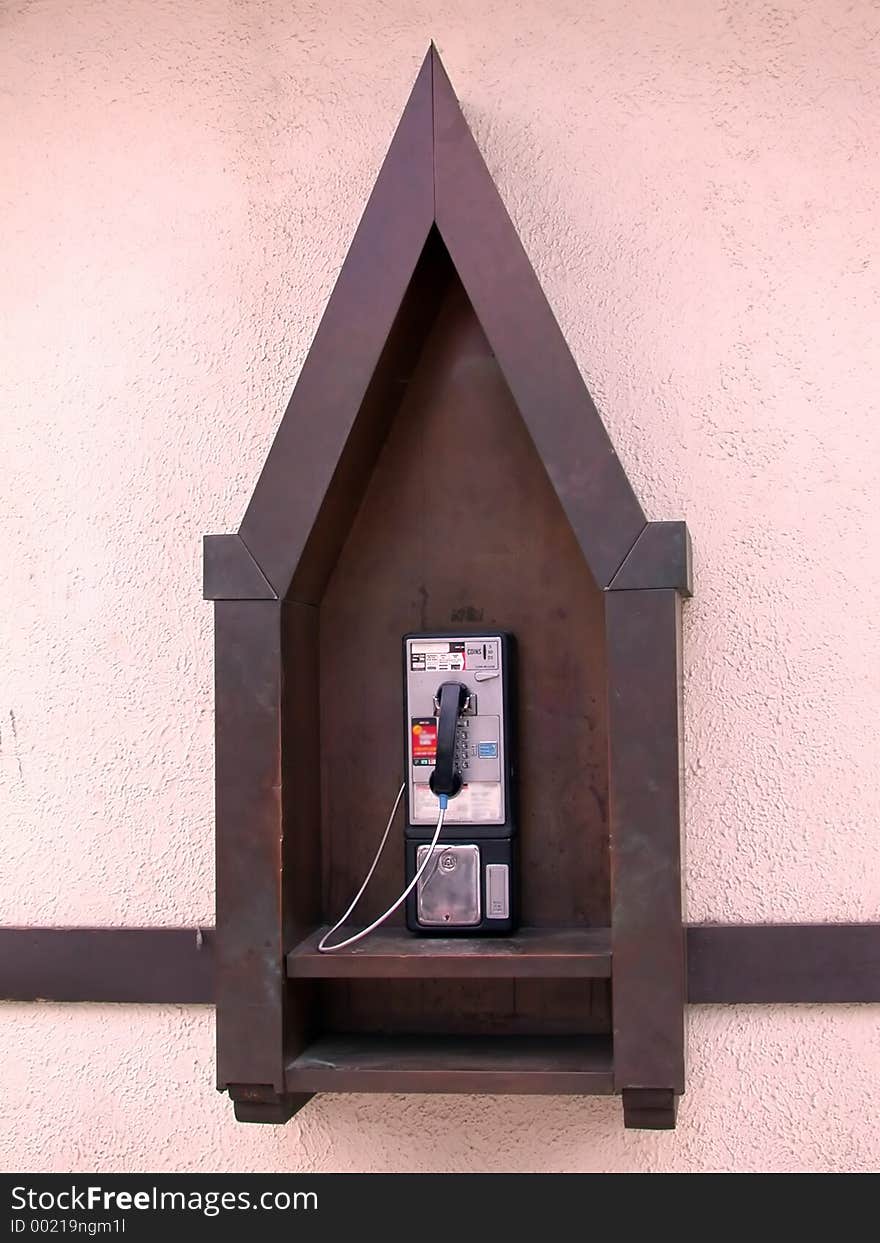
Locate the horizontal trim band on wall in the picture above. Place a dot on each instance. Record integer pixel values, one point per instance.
(727, 964)
(783, 963)
(173, 965)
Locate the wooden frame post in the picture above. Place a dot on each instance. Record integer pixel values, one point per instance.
(643, 637)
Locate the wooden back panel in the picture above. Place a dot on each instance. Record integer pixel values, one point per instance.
(459, 526)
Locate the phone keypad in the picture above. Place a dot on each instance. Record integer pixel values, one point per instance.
(462, 746)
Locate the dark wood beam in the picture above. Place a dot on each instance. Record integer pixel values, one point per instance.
(728, 964)
(766, 963)
(162, 965)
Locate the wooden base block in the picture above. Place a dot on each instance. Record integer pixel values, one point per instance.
(259, 1105)
(649, 1109)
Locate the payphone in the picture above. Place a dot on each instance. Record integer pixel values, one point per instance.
(459, 692)
(460, 784)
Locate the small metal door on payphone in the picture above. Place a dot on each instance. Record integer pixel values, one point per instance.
(460, 756)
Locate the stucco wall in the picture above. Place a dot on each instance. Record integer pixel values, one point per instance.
(698, 188)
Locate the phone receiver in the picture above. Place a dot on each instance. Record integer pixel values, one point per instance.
(452, 698)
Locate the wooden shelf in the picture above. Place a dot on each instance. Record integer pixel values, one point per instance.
(580, 1065)
(546, 953)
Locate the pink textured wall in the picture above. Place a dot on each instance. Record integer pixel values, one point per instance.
(698, 187)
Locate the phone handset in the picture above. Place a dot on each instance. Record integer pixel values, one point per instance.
(450, 702)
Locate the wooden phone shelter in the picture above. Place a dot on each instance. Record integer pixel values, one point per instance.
(442, 465)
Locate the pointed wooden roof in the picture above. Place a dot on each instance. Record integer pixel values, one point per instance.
(432, 183)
